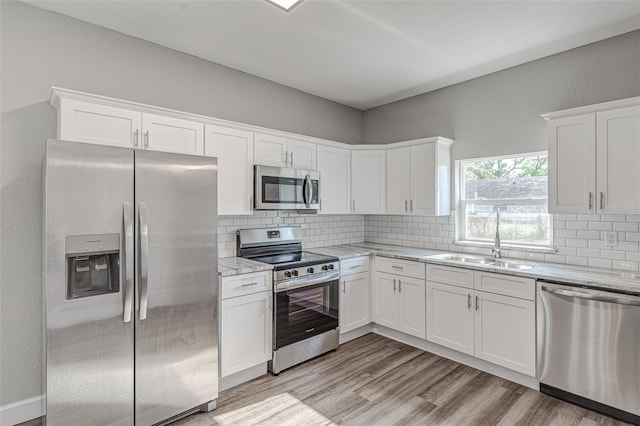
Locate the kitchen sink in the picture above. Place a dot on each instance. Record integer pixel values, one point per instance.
(510, 264)
(463, 258)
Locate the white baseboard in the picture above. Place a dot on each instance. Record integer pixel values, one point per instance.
(240, 377)
(21, 411)
(354, 334)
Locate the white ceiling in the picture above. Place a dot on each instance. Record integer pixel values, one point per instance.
(363, 53)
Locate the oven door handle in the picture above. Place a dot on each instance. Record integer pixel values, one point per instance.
(294, 283)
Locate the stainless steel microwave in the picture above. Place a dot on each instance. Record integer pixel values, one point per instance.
(279, 188)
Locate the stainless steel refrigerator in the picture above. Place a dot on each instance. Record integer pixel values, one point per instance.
(130, 284)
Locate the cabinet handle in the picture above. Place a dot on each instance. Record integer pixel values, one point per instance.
(406, 204)
(394, 285)
(399, 286)
(397, 267)
(602, 201)
(320, 204)
(250, 284)
(469, 301)
(590, 200)
(353, 205)
(146, 139)
(344, 286)
(291, 155)
(136, 134)
(411, 205)
(477, 303)
(355, 266)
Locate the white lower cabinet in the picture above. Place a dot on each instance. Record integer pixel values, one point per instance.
(245, 322)
(491, 326)
(450, 316)
(505, 329)
(401, 303)
(354, 301)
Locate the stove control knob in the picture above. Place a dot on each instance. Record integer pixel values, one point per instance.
(287, 274)
(310, 270)
(325, 267)
(330, 266)
(294, 273)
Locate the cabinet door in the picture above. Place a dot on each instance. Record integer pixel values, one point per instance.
(170, 134)
(413, 303)
(245, 332)
(302, 155)
(387, 303)
(368, 181)
(398, 180)
(354, 301)
(423, 179)
(234, 150)
(450, 316)
(505, 331)
(271, 150)
(618, 141)
(93, 123)
(572, 164)
(335, 180)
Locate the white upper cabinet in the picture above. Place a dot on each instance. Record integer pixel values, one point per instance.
(334, 166)
(168, 134)
(83, 121)
(100, 124)
(271, 150)
(419, 177)
(279, 151)
(594, 158)
(367, 181)
(234, 150)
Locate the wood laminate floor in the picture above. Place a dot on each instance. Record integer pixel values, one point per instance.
(377, 381)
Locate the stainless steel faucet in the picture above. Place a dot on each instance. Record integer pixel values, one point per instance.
(496, 248)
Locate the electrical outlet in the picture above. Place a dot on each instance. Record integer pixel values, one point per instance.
(439, 230)
(611, 238)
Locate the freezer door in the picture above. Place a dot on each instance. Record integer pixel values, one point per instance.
(176, 356)
(88, 273)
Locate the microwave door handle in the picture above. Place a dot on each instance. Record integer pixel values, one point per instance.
(307, 191)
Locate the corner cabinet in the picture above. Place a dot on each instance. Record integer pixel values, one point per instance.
(234, 150)
(594, 158)
(368, 181)
(419, 177)
(334, 165)
(103, 124)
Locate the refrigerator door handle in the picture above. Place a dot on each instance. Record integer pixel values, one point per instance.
(127, 265)
(144, 259)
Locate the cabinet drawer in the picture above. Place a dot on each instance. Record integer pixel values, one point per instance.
(354, 266)
(405, 268)
(240, 285)
(450, 275)
(506, 285)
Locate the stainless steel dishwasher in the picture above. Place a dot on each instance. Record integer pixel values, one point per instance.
(589, 348)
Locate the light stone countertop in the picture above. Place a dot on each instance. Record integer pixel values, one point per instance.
(228, 266)
(582, 276)
(626, 281)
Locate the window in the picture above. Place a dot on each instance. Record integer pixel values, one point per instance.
(517, 185)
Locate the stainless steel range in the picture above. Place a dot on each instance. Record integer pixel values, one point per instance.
(306, 291)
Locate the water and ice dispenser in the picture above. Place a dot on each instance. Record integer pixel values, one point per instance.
(93, 264)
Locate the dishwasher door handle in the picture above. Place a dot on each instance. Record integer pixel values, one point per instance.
(596, 296)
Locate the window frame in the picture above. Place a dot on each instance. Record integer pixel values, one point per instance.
(461, 207)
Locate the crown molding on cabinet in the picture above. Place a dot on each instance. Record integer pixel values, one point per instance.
(604, 106)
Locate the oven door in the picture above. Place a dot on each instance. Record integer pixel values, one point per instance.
(279, 188)
(305, 312)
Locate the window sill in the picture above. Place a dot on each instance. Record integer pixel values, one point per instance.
(532, 249)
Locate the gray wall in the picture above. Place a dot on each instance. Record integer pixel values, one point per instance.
(500, 113)
(41, 49)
